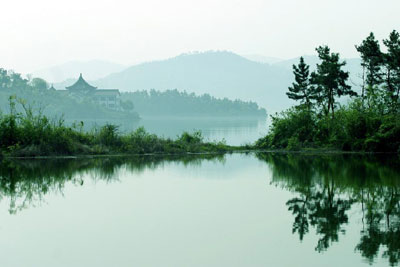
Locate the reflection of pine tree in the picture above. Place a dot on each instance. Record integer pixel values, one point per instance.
(321, 209)
(327, 186)
(383, 225)
(328, 216)
(299, 207)
(392, 242)
(370, 242)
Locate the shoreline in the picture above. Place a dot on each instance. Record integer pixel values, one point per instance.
(234, 151)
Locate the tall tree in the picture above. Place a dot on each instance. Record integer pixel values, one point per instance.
(372, 59)
(301, 88)
(330, 79)
(392, 66)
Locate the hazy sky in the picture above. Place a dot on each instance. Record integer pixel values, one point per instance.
(42, 33)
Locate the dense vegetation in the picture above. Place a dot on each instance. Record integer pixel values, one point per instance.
(369, 122)
(35, 92)
(175, 103)
(28, 134)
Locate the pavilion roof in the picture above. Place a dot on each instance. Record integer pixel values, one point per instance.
(81, 85)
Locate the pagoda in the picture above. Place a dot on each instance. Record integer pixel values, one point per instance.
(81, 86)
(81, 89)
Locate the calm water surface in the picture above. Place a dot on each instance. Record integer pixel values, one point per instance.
(233, 210)
(235, 131)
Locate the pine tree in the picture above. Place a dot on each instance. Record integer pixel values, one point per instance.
(330, 80)
(392, 66)
(301, 89)
(372, 59)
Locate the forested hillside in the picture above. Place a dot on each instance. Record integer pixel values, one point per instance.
(175, 103)
(35, 93)
(220, 74)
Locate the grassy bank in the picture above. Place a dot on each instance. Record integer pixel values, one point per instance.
(25, 134)
(355, 129)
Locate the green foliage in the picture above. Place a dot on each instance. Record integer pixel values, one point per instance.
(296, 125)
(372, 58)
(301, 89)
(392, 66)
(354, 129)
(330, 80)
(55, 102)
(382, 71)
(108, 135)
(374, 127)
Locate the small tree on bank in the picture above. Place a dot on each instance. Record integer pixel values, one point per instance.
(301, 88)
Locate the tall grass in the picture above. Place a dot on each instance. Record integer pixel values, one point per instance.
(30, 134)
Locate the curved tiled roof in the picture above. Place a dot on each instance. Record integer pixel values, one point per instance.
(81, 85)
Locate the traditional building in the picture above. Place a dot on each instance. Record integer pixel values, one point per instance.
(81, 86)
(109, 98)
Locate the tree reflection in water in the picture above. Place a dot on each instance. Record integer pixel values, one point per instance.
(328, 186)
(25, 182)
(325, 189)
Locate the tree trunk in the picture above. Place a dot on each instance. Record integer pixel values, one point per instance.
(363, 86)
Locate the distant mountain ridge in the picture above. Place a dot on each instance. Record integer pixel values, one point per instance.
(218, 73)
(263, 59)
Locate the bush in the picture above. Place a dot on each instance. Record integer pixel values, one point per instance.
(295, 122)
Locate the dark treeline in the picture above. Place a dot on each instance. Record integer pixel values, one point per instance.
(35, 92)
(370, 122)
(26, 182)
(175, 103)
(26, 134)
(327, 187)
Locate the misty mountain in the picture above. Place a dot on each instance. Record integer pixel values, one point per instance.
(93, 70)
(263, 59)
(220, 74)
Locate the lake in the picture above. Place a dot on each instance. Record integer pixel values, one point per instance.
(253, 209)
(234, 130)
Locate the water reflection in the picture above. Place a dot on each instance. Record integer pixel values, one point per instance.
(326, 188)
(26, 182)
(325, 191)
(235, 131)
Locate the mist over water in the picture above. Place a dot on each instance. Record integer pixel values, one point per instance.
(235, 131)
